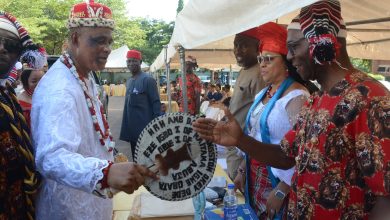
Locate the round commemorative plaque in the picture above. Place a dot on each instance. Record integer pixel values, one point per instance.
(184, 161)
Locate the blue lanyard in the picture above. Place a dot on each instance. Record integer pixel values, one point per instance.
(265, 136)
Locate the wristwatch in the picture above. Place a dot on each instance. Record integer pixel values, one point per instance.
(280, 194)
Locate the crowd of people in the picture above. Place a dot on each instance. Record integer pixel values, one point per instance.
(294, 149)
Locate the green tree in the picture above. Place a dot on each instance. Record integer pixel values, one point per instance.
(180, 6)
(127, 31)
(158, 34)
(54, 32)
(362, 64)
(45, 21)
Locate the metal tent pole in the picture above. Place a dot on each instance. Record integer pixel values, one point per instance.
(167, 70)
(367, 21)
(230, 75)
(183, 78)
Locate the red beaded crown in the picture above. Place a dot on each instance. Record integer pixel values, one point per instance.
(90, 15)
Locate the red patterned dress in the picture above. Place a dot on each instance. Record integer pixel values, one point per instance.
(194, 87)
(341, 144)
(259, 187)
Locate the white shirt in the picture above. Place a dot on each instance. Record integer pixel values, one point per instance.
(279, 124)
(67, 149)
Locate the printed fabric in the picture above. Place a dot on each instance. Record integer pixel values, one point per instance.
(341, 144)
(194, 87)
(18, 178)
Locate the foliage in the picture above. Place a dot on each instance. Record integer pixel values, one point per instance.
(127, 32)
(158, 34)
(362, 64)
(180, 6)
(45, 21)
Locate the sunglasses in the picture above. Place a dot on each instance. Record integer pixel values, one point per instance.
(293, 45)
(11, 45)
(267, 59)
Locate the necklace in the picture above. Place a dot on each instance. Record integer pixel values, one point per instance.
(65, 59)
(302, 160)
(269, 95)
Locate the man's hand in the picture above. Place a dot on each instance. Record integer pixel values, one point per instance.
(128, 177)
(381, 209)
(225, 132)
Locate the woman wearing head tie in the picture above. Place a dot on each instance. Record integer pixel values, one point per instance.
(271, 115)
(34, 61)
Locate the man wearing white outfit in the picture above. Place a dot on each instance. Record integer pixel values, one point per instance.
(72, 140)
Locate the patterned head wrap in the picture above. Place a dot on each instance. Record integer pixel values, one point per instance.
(295, 25)
(320, 23)
(34, 58)
(90, 14)
(9, 23)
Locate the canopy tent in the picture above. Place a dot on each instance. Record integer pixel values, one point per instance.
(117, 60)
(207, 32)
(214, 55)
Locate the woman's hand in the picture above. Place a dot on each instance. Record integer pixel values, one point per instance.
(225, 132)
(273, 204)
(239, 182)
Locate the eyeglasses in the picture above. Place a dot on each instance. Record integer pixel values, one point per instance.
(267, 59)
(11, 45)
(292, 46)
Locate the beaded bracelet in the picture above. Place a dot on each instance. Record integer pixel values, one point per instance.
(102, 189)
(104, 181)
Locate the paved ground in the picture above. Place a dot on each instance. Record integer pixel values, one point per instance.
(115, 111)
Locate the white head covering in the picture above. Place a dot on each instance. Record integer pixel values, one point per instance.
(7, 25)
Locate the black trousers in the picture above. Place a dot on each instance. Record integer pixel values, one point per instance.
(133, 145)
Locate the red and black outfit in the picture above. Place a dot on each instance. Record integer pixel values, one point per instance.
(18, 178)
(341, 144)
(194, 87)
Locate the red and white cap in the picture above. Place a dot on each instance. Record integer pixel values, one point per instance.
(90, 14)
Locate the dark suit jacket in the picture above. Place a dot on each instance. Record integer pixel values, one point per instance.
(142, 105)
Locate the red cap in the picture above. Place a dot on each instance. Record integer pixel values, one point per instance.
(134, 54)
(90, 15)
(253, 33)
(273, 38)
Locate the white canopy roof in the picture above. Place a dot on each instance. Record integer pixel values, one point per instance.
(207, 32)
(117, 59)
